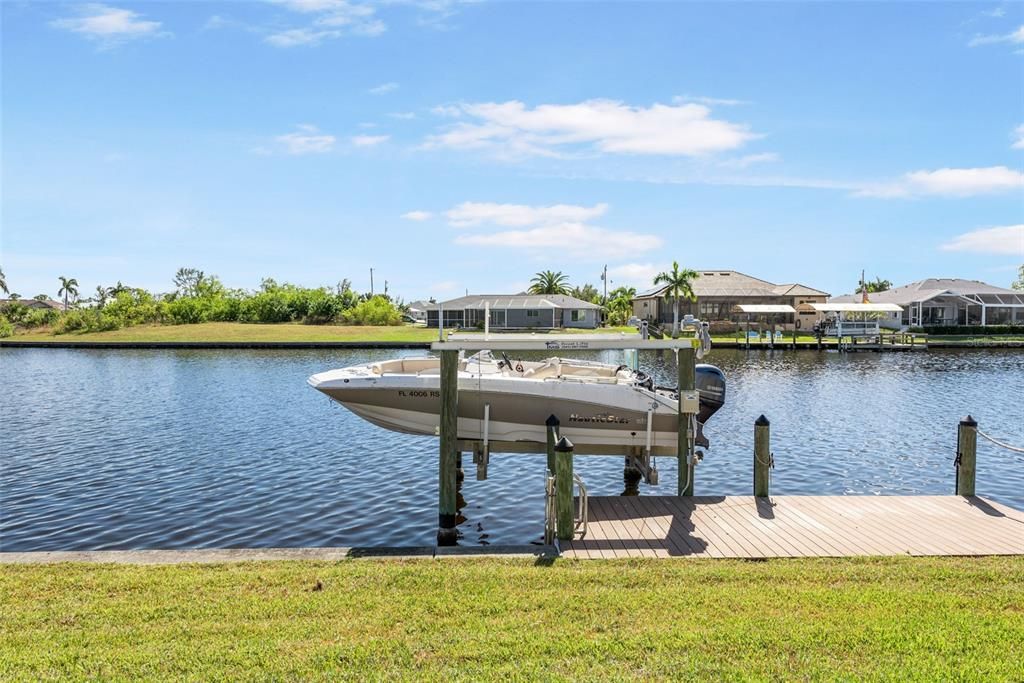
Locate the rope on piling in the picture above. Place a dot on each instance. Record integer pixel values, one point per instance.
(1007, 446)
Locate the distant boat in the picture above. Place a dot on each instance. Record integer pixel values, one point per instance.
(602, 408)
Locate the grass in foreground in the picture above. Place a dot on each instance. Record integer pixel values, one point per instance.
(898, 618)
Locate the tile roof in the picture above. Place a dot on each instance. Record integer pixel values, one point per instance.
(735, 283)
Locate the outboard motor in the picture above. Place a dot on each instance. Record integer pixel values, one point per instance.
(710, 384)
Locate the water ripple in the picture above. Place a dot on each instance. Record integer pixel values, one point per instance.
(190, 449)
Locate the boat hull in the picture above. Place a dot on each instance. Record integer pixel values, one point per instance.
(596, 418)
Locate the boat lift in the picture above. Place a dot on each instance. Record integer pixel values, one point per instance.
(688, 349)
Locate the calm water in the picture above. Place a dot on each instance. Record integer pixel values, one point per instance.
(186, 449)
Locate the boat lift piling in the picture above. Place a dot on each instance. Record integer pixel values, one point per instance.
(450, 445)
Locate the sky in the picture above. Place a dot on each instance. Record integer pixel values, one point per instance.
(464, 146)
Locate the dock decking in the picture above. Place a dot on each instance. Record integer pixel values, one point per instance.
(797, 526)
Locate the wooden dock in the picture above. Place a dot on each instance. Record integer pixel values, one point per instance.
(797, 526)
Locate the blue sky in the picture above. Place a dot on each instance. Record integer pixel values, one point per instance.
(455, 146)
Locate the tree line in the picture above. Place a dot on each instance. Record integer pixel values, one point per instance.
(196, 298)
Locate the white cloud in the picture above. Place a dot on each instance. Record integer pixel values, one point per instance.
(470, 214)
(369, 140)
(541, 229)
(513, 129)
(300, 36)
(417, 216)
(996, 13)
(383, 88)
(110, 25)
(639, 275)
(710, 101)
(329, 19)
(949, 182)
(574, 239)
(402, 115)
(1007, 239)
(307, 140)
(1014, 37)
(1018, 133)
(750, 160)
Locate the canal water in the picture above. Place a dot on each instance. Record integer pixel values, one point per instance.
(116, 449)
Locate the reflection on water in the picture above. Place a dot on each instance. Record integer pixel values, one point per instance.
(175, 449)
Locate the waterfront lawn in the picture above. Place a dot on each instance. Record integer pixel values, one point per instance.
(253, 332)
(894, 618)
(244, 332)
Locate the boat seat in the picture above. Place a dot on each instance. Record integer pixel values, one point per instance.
(543, 372)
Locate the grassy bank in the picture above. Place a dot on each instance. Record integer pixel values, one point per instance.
(249, 332)
(900, 618)
(243, 332)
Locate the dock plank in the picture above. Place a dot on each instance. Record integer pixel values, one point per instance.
(797, 526)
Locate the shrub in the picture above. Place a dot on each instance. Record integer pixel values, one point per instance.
(186, 310)
(40, 317)
(15, 311)
(72, 321)
(6, 328)
(132, 307)
(266, 307)
(225, 309)
(374, 311)
(322, 309)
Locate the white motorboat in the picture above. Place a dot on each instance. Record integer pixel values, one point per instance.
(602, 408)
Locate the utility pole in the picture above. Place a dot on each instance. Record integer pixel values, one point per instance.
(371, 282)
(385, 288)
(604, 277)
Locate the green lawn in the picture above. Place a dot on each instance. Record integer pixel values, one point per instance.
(900, 618)
(244, 332)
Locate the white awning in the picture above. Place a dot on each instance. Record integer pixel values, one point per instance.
(766, 308)
(858, 308)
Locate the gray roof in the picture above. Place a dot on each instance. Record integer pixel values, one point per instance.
(929, 288)
(36, 303)
(506, 301)
(734, 283)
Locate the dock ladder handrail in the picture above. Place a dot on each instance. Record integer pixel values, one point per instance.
(583, 513)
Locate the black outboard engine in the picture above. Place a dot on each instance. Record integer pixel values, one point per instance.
(710, 384)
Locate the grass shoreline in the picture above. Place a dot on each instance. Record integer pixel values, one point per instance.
(254, 333)
(905, 618)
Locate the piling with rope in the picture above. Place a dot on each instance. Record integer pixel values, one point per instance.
(966, 456)
(565, 524)
(763, 461)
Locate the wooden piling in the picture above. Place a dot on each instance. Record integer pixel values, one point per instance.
(966, 456)
(565, 524)
(762, 457)
(447, 470)
(552, 425)
(687, 378)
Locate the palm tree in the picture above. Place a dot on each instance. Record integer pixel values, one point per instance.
(548, 282)
(3, 282)
(101, 296)
(620, 304)
(68, 287)
(680, 285)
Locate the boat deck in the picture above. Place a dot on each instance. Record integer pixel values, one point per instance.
(797, 526)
